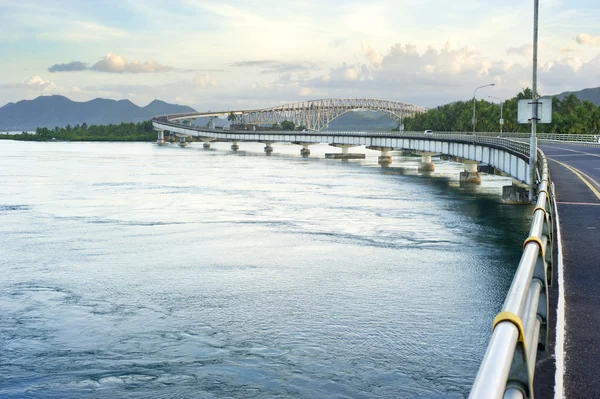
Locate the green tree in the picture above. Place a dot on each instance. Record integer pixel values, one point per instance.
(231, 117)
(288, 125)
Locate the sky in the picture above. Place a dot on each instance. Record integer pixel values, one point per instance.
(244, 54)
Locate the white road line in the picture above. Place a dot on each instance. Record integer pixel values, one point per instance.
(559, 348)
(580, 152)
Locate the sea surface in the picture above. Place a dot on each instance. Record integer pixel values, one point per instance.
(129, 270)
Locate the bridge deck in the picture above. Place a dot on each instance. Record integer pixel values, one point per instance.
(578, 200)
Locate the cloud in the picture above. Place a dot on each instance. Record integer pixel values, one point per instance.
(113, 63)
(338, 42)
(35, 81)
(525, 50)
(584, 38)
(250, 64)
(69, 67)
(350, 74)
(371, 54)
(431, 76)
(34, 85)
(274, 66)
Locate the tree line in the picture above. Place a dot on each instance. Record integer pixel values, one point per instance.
(569, 116)
(141, 131)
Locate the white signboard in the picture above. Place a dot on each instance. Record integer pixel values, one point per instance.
(544, 111)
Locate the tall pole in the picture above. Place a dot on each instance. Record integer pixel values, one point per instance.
(474, 120)
(475, 91)
(534, 114)
(501, 119)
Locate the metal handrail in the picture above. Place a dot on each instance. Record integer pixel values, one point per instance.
(520, 329)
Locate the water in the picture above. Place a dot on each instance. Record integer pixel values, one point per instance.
(130, 270)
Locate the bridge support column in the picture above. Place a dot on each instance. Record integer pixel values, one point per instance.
(345, 153)
(426, 165)
(268, 148)
(160, 139)
(235, 146)
(182, 142)
(305, 151)
(470, 175)
(515, 194)
(206, 144)
(385, 158)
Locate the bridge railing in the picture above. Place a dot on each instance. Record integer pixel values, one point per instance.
(520, 329)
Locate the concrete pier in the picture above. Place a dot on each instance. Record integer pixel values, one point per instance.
(470, 175)
(346, 154)
(235, 146)
(268, 148)
(426, 165)
(305, 151)
(160, 139)
(206, 144)
(385, 158)
(182, 142)
(515, 194)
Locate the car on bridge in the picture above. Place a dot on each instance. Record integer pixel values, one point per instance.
(428, 132)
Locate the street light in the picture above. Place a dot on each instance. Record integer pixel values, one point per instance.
(501, 119)
(475, 91)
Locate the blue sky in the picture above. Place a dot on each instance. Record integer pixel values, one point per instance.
(216, 54)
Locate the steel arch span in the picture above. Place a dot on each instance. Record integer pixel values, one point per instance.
(314, 114)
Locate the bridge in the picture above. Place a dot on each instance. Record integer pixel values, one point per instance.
(313, 114)
(522, 328)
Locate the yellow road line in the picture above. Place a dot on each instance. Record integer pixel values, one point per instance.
(580, 174)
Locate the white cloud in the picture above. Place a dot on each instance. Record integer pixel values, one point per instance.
(374, 56)
(435, 76)
(526, 50)
(35, 81)
(114, 63)
(584, 38)
(350, 74)
(203, 81)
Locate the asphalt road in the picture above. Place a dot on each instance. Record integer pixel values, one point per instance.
(575, 171)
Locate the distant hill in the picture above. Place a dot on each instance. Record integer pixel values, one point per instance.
(362, 120)
(592, 95)
(52, 111)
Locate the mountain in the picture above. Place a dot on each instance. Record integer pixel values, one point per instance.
(362, 120)
(592, 95)
(52, 111)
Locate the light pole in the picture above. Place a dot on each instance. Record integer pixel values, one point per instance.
(475, 91)
(501, 119)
